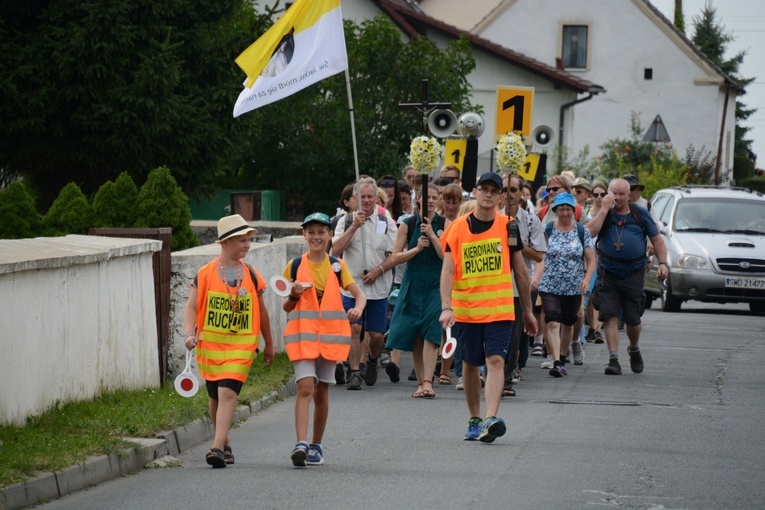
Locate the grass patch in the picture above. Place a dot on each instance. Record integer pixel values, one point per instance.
(69, 433)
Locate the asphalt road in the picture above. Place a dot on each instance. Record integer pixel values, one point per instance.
(688, 433)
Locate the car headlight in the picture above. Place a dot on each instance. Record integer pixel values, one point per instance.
(692, 262)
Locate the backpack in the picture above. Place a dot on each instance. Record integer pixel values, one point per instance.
(440, 225)
(252, 275)
(609, 221)
(332, 261)
(349, 216)
(579, 231)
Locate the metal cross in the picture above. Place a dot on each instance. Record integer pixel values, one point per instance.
(618, 245)
(425, 107)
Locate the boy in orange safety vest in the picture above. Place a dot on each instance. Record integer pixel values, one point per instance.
(318, 332)
(224, 319)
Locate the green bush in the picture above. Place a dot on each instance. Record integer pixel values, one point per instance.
(70, 213)
(18, 217)
(743, 168)
(659, 175)
(162, 203)
(753, 183)
(114, 205)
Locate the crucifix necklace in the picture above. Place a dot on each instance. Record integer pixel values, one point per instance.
(618, 244)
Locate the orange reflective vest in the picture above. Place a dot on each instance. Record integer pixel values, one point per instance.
(483, 285)
(227, 339)
(315, 329)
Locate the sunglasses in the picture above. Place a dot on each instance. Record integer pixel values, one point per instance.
(388, 183)
(633, 188)
(553, 189)
(580, 191)
(599, 195)
(513, 190)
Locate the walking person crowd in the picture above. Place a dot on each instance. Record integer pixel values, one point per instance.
(511, 278)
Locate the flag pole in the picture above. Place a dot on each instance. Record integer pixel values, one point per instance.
(355, 163)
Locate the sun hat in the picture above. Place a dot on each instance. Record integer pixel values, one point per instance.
(317, 217)
(633, 181)
(581, 182)
(490, 176)
(564, 199)
(234, 225)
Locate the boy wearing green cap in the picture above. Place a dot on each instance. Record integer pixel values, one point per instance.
(318, 332)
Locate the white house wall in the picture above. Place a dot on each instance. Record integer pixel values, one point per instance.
(624, 41)
(490, 72)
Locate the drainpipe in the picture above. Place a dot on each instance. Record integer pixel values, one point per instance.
(722, 134)
(563, 109)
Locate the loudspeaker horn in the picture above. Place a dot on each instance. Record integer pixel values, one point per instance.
(543, 136)
(470, 124)
(442, 123)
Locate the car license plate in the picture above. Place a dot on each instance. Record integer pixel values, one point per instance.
(745, 283)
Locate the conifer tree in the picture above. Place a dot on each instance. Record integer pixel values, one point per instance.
(711, 37)
(162, 203)
(70, 213)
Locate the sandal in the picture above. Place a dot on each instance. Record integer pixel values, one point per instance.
(228, 454)
(216, 458)
(444, 379)
(418, 394)
(428, 394)
(508, 392)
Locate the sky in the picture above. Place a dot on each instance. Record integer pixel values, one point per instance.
(745, 20)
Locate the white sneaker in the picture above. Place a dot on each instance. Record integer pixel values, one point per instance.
(460, 386)
(516, 377)
(578, 352)
(548, 363)
(537, 350)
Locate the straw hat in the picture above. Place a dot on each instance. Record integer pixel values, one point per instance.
(234, 225)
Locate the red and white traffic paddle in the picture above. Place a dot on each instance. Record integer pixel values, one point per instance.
(280, 285)
(187, 384)
(450, 345)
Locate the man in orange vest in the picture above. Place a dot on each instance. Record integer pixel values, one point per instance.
(224, 319)
(482, 253)
(318, 333)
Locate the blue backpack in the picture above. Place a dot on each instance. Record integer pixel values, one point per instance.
(579, 231)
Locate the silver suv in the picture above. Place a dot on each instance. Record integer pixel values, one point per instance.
(715, 241)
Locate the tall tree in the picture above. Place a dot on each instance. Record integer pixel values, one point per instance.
(711, 37)
(91, 89)
(679, 17)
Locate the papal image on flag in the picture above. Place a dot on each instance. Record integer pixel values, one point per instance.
(303, 47)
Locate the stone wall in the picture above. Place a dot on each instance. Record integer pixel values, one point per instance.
(77, 318)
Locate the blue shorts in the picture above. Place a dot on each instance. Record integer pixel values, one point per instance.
(375, 316)
(478, 341)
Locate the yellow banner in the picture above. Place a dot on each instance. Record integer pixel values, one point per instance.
(302, 15)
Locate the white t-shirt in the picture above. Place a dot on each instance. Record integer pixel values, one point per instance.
(379, 238)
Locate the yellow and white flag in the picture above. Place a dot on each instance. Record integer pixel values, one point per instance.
(303, 47)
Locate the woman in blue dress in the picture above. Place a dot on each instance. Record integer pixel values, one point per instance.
(564, 279)
(414, 326)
